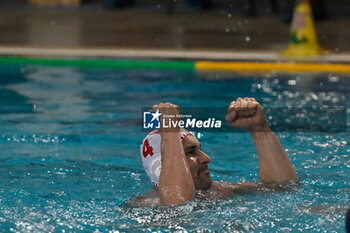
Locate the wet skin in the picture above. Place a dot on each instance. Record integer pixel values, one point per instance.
(185, 173)
(198, 163)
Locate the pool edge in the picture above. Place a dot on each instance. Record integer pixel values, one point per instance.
(205, 60)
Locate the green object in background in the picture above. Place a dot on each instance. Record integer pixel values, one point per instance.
(101, 63)
(294, 39)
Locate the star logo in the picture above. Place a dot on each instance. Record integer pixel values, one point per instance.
(156, 115)
(151, 120)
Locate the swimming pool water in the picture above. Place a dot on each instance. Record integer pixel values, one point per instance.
(69, 151)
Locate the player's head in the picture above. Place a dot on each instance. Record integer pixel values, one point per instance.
(196, 159)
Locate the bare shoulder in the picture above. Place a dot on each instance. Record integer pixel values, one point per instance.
(218, 190)
(151, 198)
(226, 186)
(248, 188)
(226, 189)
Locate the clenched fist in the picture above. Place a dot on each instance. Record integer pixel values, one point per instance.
(167, 108)
(246, 113)
(170, 114)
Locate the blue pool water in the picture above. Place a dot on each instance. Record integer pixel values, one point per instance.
(69, 152)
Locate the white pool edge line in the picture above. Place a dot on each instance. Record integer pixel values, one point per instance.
(138, 53)
(160, 54)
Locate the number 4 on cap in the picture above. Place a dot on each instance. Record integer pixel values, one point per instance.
(147, 149)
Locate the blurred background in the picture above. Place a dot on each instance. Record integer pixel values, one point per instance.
(71, 128)
(172, 24)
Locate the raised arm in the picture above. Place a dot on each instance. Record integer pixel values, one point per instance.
(176, 184)
(274, 164)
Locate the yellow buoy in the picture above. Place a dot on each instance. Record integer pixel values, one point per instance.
(303, 41)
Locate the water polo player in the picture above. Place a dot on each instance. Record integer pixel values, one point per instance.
(178, 168)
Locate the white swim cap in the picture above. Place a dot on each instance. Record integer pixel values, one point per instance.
(151, 154)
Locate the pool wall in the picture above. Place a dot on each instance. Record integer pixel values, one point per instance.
(237, 66)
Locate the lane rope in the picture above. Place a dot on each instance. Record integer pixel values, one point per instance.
(182, 65)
